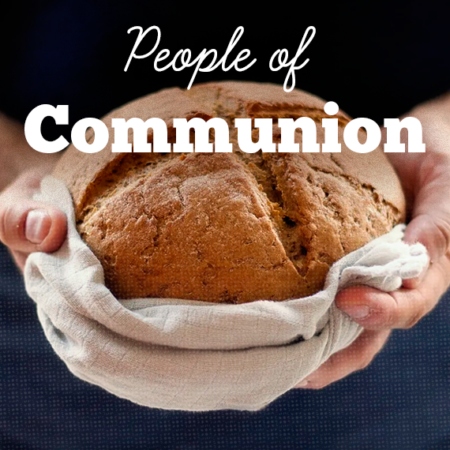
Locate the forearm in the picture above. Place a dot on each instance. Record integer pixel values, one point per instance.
(16, 155)
(434, 116)
(420, 172)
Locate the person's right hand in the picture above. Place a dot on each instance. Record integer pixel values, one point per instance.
(25, 225)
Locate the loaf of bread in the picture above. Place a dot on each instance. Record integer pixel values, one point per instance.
(228, 227)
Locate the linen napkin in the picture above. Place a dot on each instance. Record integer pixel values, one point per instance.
(193, 355)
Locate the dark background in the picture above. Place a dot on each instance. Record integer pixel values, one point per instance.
(375, 59)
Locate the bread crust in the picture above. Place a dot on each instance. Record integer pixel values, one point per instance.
(231, 227)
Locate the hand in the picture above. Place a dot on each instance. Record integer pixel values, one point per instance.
(25, 225)
(426, 182)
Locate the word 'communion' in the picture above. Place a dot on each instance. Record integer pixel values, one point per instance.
(244, 128)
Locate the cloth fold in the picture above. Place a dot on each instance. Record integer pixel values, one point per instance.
(191, 355)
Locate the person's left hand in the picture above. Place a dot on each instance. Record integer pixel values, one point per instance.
(426, 181)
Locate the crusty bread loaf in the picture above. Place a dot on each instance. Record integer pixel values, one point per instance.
(230, 227)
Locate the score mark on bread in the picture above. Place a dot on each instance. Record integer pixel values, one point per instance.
(229, 227)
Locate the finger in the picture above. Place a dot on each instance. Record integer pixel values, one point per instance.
(355, 357)
(27, 225)
(32, 226)
(413, 283)
(374, 309)
(432, 231)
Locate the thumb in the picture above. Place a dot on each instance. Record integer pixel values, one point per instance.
(28, 226)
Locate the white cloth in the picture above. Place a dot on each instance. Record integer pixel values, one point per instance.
(192, 355)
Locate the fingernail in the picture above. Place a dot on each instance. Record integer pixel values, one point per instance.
(358, 311)
(37, 225)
